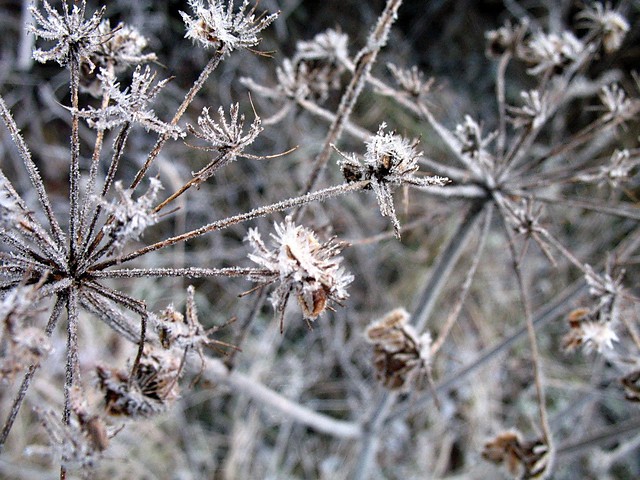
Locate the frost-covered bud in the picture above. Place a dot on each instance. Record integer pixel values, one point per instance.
(401, 356)
(532, 113)
(218, 27)
(302, 266)
(390, 161)
(330, 46)
(74, 35)
(132, 217)
(411, 80)
(589, 332)
(131, 104)
(507, 38)
(552, 53)
(227, 137)
(605, 25)
(122, 48)
(617, 106)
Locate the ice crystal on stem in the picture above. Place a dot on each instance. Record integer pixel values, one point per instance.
(215, 26)
(74, 35)
(303, 266)
(390, 161)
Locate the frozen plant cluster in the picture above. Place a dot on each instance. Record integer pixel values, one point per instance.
(286, 251)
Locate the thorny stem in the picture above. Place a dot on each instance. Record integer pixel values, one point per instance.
(34, 174)
(26, 381)
(364, 61)
(118, 150)
(74, 170)
(71, 369)
(464, 289)
(191, 94)
(95, 163)
(319, 196)
(535, 354)
(188, 272)
(444, 265)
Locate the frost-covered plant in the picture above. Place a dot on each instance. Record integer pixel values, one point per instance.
(121, 250)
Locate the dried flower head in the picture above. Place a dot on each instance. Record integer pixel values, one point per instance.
(227, 137)
(552, 53)
(390, 161)
(147, 391)
(131, 216)
(605, 289)
(303, 266)
(533, 112)
(122, 48)
(522, 459)
(131, 104)
(411, 80)
(507, 38)
(616, 172)
(588, 332)
(631, 384)
(27, 346)
(330, 46)
(176, 330)
(524, 216)
(402, 358)
(472, 143)
(215, 26)
(74, 35)
(604, 24)
(617, 106)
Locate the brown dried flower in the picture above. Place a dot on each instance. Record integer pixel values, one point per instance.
(149, 390)
(401, 357)
(523, 460)
(631, 384)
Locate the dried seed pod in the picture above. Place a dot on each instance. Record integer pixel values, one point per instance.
(522, 459)
(150, 390)
(631, 384)
(401, 357)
